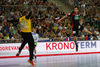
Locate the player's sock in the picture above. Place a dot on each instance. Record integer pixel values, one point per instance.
(35, 55)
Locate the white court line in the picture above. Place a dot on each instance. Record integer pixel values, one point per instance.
(56, 62)
(43, 62)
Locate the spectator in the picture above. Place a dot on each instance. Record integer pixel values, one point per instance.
(60, 27)
(6, 36)
(14, 30)
(77, 3)
(91, 37)
(92, 28)
(1, 36)
(59, 34)
(96, 31)
(97, 22)
(6, 27)
(11, 27)
(71, 2)
(43, 19)
(98, 36)
(0, 26)
(4, 33)
(11, 34)
(82, 35)
(40, 34)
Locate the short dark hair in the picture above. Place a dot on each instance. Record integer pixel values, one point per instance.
(25, 12)
(76, 7)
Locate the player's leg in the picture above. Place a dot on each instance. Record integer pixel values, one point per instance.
(31, 48)
(21, 47)
(35, 50)
(23, 44)
(75, 40)
(75, 33)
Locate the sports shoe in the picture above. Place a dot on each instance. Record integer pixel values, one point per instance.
(31, 62)
(17, 54)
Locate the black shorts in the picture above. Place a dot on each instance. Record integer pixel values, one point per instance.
(76, 29)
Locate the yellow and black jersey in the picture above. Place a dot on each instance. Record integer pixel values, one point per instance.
(25, 24)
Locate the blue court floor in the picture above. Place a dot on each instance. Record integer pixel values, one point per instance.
(85, 60)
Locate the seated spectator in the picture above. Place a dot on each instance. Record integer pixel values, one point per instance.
(77, 3)
(92, 28)
(62, 36)
(96, 31)
(60, 27)
(98, 36)
(44, 20)
(40, 34)
(6, 27)
(70, 3)
(59, 34)
(82, 35)
(11, 34)
(7, 36)
(4, 33)
(97, 22)
(86, 28)
(16, 34)
(0, 26)
(14, 30)
(83, 5)
(1, 36)
(95, 18)
(11, 27)
(55, 27)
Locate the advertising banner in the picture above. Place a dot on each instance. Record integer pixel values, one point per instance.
(10, 49)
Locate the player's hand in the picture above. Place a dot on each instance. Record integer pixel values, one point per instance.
(31, 9)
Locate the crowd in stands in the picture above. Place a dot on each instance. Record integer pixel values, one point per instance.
(91, 20)
(44, 19)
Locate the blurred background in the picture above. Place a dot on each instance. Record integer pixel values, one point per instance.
(45, 16)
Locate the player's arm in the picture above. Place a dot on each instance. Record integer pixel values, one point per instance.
(84, 13)
(15, 20)
(29, 15)
(62, 18)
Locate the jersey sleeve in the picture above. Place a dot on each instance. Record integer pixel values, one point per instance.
(69, 14)
(13, 20)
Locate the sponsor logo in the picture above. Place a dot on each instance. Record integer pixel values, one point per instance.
(60, 46)
(84, 45)
(9, 48)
